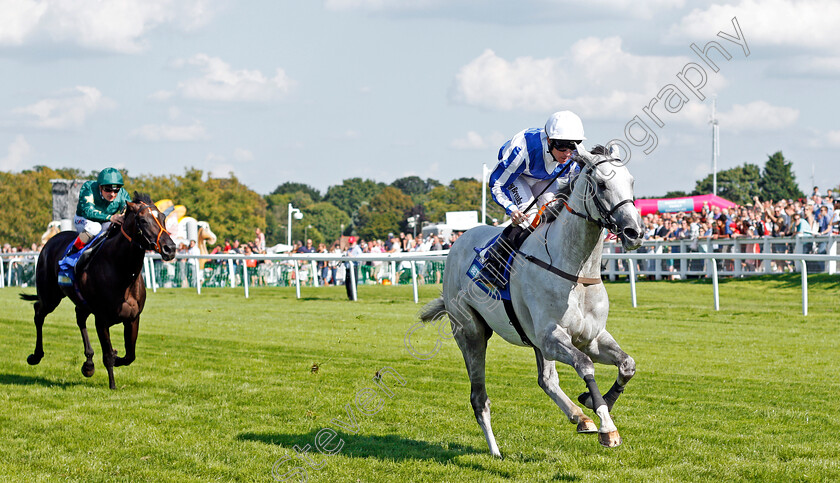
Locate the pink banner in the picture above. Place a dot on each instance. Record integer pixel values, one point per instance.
(689, 203)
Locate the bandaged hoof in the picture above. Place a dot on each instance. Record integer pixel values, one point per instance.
(610, 440)
(587, 425)
(88, 369)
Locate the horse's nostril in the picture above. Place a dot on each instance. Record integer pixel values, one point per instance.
(630, 234)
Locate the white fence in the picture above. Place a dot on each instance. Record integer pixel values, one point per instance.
(738, 257)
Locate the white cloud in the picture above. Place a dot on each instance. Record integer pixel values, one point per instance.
(796, 23)
(19, 151)
(221, 83)
(597, 80)
(833, 138)
(68, 110)
(757, 116)
(242, 155)
(161, 95)
(475, 141)
(167, 132)
(114, 26)
(381, 5)
(222, 171)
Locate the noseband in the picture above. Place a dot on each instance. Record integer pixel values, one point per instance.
(605, 217)
(140, 213)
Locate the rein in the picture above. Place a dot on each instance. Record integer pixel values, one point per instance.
(160, 232)
(606, 221)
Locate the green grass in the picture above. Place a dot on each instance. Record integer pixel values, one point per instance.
(223, 387)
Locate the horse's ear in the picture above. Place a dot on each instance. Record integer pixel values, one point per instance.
(584, 154)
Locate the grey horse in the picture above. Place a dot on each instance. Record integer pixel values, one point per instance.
(555, 293)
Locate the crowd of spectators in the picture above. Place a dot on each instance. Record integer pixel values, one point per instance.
(817, 214)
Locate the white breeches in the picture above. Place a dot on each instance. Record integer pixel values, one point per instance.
(523, 190)
(91, 227)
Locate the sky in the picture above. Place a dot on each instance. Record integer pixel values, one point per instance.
(320, 91)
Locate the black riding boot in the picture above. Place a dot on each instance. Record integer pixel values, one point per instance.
(498, 254)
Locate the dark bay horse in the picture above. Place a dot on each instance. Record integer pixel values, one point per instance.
(111, 287)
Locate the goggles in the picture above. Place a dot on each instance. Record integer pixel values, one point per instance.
(561, 144)
(112, 188)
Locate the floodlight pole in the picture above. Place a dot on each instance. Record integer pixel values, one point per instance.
(715, 145)
(291, 210)
(484, 194)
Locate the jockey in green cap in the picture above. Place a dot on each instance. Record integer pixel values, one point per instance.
(101, 203)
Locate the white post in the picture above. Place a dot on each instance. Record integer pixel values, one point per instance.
(632, 264)
(2, 274)
(353, 286)
(231, 274)
(154, 276)
(297, 279)
(804, 288)
(394, 278)
(414, 280)
(245, 278)
(832, 250)
(715, 283)
(146, 271)
(199, 274)
(314, 268)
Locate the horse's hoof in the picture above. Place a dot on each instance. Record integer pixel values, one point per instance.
(587, 425)
(586, 399)
(609, 440)
(33, 360)
(88, 369)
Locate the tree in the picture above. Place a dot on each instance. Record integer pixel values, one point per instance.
(383, 214)
(26, 198)
(675, 194)
(292, 187)
(738, 184)
(414, 186)
(327, 220)
(778, 180)
(461, 195)
(349, 195)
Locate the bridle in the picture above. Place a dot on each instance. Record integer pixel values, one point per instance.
(605, 217)
(140, 213)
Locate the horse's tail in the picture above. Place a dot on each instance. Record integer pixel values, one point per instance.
(28, 297)
(433, 310)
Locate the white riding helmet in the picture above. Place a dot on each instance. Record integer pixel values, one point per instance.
(564, 125)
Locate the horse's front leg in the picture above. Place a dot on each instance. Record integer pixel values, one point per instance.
(549, 382)
(605, 350)
(557, 345)
(108, 352)
(82, 314)
(130, 330)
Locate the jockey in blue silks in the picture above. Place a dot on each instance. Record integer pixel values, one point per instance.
(528, 164)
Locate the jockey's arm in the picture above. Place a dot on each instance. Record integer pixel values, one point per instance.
(87, 206)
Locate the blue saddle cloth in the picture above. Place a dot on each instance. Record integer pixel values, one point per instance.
(497, 293)
(67, 265)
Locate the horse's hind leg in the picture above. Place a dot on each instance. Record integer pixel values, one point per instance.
(605, 350)
(81, 320)
(548, 381)
(130, 333)
(44, 306)
(108, 353)
(471, 334)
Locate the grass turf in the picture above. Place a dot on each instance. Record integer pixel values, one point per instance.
(224, 387)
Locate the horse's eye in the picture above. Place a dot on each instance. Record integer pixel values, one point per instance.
(602, 185)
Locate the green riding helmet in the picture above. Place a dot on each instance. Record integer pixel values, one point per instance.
(110, 176)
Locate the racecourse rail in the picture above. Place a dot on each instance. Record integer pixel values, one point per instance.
(734, 257)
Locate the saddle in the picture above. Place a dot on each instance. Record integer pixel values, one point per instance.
(71, 266)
